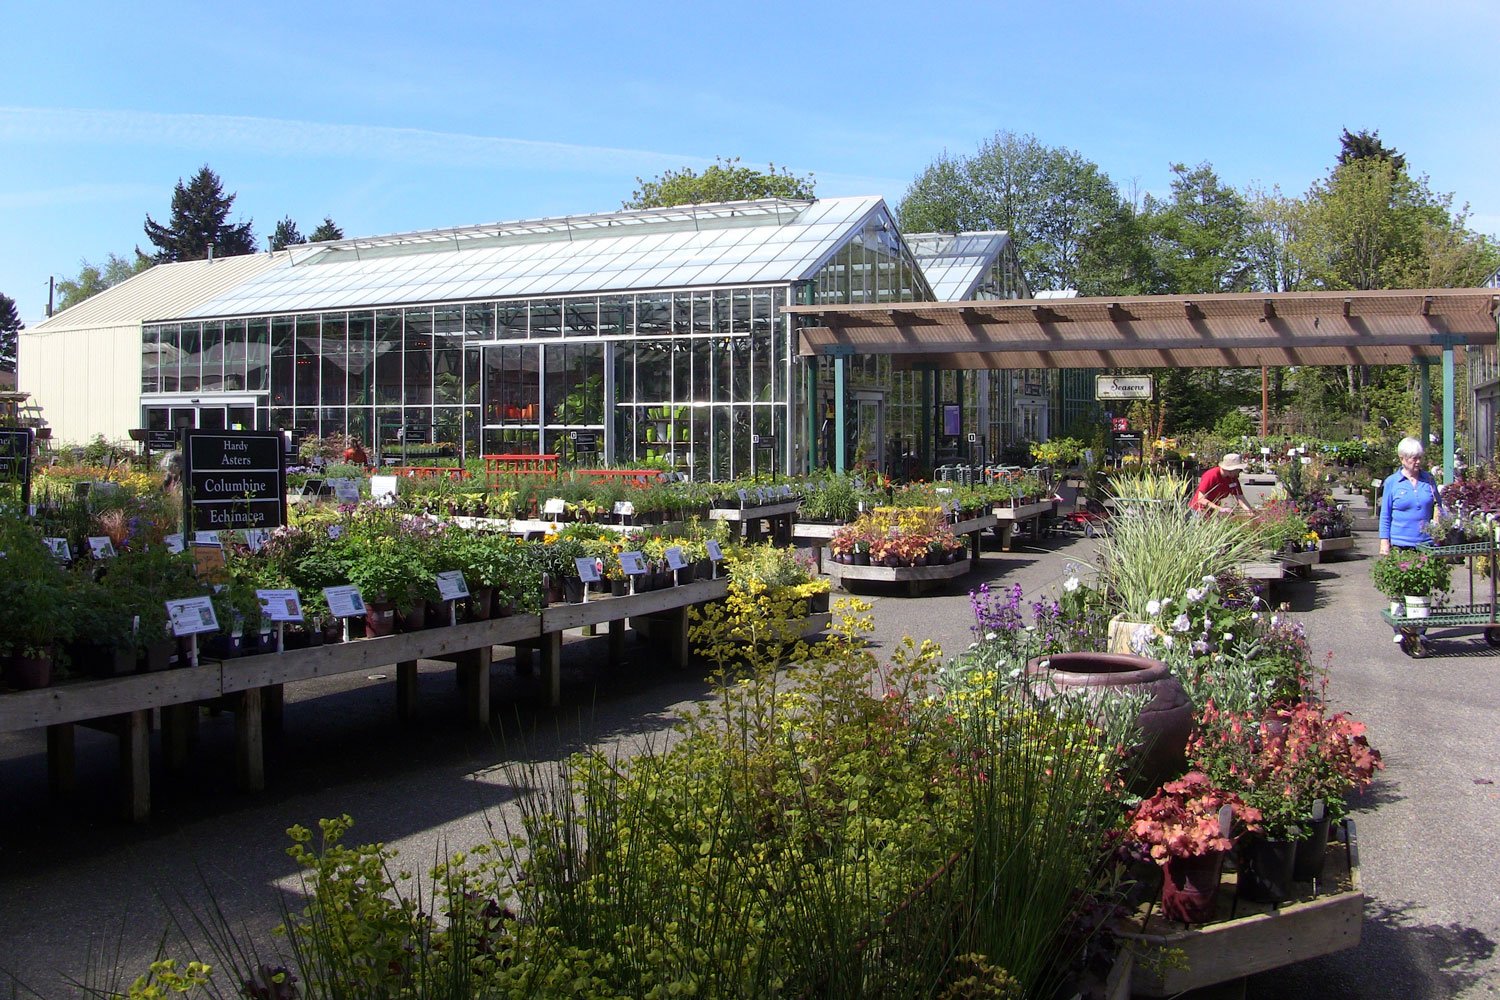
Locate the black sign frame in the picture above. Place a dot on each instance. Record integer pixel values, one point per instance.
(15, 445)
(162, 440)
(249, 466)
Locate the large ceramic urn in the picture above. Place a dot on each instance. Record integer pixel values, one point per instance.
(1165, 720)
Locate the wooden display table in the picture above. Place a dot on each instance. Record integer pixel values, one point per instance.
(1335, 546)
(916, 578)
(1008, 516)
(1171, 958)
(755, 523)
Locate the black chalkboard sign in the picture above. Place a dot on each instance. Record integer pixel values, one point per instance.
(15, 459)
(233, 479)
(161, 440)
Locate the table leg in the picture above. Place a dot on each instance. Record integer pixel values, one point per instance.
(179, 724)
(406, 690)
(552, 667)
(474, 680)
(135, 764)
(616, 641)
(250, 746)
(61, 757)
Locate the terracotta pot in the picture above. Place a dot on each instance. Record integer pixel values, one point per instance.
(1190, 886)
(27, 673)
(1312, 851)
(1266, 869)
(1165, 721)
(380, 618)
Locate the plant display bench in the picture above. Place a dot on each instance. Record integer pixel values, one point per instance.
(771, 520)
(1248, 938)
(1476, 617)
(660, 613)
(1008, 516)
(815, 536)
(1335, 546)
(1299, 564)
(915, 578)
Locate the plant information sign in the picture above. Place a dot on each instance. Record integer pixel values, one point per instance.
(234, 479)
(15, 460)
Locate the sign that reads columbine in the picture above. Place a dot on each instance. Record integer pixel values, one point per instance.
(1124, 387)
(234, 479)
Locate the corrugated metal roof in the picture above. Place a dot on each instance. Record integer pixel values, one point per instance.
(955, 263)
(161, 291)
(515, 260)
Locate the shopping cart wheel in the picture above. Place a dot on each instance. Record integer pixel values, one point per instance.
(1412, 645)
(1492, 635)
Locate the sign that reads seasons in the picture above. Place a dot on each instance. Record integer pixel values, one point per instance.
(236, 479)
(1124, 387)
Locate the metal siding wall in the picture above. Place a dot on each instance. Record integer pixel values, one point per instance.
(87, 382)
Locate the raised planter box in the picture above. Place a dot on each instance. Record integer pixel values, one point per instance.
(1254, 937)
(1332, 545)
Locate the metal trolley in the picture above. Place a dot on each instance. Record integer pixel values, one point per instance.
(1473, 617)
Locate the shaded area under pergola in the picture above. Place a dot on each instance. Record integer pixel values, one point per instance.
(1158, 331)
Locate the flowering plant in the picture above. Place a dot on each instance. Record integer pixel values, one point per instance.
(1285, 762)
(1415, 573)
(1182, 819)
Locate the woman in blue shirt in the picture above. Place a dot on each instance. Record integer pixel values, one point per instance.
(1408, 501)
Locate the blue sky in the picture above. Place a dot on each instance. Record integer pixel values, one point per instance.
(402, 116)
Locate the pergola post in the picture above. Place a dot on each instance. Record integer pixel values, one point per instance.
(927, 417)
(840, 379)
(1450, 424)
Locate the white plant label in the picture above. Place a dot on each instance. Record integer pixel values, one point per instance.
(101, 547)
(675, 558)
(715, 553)
(554, 507)
(451, 585)
(280, 605)
(192, 616)
(624, 508)
(346, 490)
(344, 601)
(631, 563)
(256, 538)
(588, 569)
(175, 543)
(60, 549)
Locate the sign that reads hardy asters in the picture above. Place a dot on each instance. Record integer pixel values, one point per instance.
(233, 479)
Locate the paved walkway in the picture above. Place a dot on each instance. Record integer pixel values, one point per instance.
(71, 874)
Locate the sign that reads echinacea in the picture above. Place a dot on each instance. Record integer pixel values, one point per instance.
(233, 479)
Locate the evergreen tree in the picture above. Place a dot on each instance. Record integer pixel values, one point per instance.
(1364, 145)
(326, 232)
(286, 235)
(200, 212)
(10, 328)
(724, 181)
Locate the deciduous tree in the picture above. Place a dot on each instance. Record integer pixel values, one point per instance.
(95, 278)
(726, 180)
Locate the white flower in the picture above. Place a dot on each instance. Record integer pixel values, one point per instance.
(1209, 581)
(1070, 584)
(1228, 636)
(1181, 623)
(1165, 601)
(1153, 607)
(1194, 595)
(1255, 616)
(991, 635)
(1167, 641)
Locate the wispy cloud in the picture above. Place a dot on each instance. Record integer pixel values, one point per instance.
(76, 194)
(304, 139)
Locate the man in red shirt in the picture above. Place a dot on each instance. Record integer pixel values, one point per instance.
(1219, 488)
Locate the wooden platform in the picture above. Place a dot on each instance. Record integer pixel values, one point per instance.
(1008, 516)
(1335, 546)
(916, 578)
(1171, 959)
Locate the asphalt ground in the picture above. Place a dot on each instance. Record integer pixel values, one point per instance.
(75, 881)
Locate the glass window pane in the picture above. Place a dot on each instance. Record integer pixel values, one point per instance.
(258, 355)
(151, 358)
(282, 361)
(307, 366)
(447, 356)
(361, 359)
(418, 358)
(335, 358)
(388, 338)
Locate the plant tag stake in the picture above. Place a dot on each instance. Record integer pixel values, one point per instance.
(207, 538)
(280, 605)
(631, 563)
(588, 569)
(1226, 820)
(744, 498)
(383, 488)
(715, 553)
(101, 547)
(256, 538)
(674, 558)
(624, 508)
(554, 507)
(451, 585)
(344, 601)
(1319, 810)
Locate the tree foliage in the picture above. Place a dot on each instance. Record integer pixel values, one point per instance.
(10, 329)
(1364, 145)
(326, 232)
(1200, 240)
(726, 180)
(95, 278)
(286, 234)
(1070, 227)
(199, 219)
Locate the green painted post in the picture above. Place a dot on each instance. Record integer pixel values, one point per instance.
(927, 417)
(810, 365)
(1449, 406)
(840, 377)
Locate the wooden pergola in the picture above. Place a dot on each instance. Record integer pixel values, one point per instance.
(1158, 331)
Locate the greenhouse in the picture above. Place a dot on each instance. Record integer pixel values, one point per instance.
(642, 336)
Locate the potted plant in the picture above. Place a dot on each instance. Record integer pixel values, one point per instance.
(1413, 576)
(143, 579)
(32, 589)
(1181, 828)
